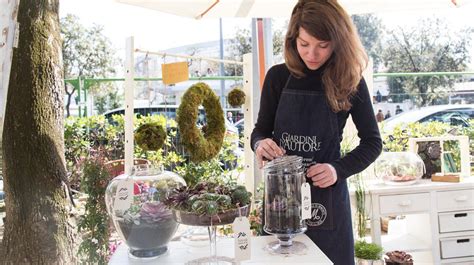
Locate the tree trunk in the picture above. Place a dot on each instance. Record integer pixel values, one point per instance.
(36, 228)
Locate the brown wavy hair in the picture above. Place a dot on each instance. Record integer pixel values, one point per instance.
(326, 20)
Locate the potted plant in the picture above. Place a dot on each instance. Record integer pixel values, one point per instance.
(208, 204)
(368, 253)
(398, 257)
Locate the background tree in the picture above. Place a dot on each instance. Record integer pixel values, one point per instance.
(36, 227)
(87, 52)
(430, 46)
(370, 29)
(242, 44)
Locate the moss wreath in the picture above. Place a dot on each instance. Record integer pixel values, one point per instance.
(201, 147)
(150, 136)
(236, 97)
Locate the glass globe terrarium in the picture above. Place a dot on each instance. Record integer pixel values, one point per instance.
(147, 225)
(283, 179)
(399, 168)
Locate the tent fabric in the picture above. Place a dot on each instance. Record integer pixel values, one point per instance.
(281, 8)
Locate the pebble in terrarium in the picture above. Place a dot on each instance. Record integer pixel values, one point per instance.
(399, 168)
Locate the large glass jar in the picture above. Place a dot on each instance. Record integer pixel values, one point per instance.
(399, 168)
(283, 179)
(147, 225)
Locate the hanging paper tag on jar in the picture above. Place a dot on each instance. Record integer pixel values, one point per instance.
(305, 201)
(124, 195)
(241, 227)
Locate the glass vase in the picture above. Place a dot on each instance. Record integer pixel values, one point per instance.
(147, 225)
(283, 206)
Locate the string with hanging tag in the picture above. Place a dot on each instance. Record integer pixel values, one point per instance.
(241, 228)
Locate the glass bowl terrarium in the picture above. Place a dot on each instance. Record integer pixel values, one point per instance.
(146, 225)
(399, 168)
(283, 206)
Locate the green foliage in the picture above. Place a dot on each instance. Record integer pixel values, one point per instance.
(368, 251)
(150, 136)
(94, 224)
(361, 213)
(90, 133)
(87, 52)
(206, 144)
(236, 97)
(469, 132)
(107, 99)
(398, 140)
(430, 46)
(370, 30)
(83, 134)
(255, 218)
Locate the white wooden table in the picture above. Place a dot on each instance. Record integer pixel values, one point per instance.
(179, 253)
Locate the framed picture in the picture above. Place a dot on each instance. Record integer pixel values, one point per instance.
(444, 155)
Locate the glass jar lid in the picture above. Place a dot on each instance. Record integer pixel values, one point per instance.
(284, 161)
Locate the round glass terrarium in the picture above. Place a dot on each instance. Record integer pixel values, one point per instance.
(146, 225)
(283, 179)
(399, 168)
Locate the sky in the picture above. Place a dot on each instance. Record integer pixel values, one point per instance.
(157, 31)
(152, 30)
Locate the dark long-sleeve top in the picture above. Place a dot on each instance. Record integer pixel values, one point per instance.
(362, 113)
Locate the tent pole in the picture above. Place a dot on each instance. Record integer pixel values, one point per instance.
(129, 97)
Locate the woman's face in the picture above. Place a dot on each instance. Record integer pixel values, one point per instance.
(312, 51)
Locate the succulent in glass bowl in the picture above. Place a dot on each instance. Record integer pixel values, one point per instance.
(399, 168)
(209, 204)
(147, 224)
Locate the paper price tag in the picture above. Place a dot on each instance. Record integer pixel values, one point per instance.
(123, 195)
(241, 227)
(174, 72)
(305, 201)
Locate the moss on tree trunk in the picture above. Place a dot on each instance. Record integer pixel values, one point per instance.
(36, 228)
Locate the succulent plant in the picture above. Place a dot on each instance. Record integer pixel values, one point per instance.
(398, 258)
(240, 196)
(153, 212)
(208, 198)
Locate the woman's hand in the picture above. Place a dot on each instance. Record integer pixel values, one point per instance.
(322, 175)
(267, 149)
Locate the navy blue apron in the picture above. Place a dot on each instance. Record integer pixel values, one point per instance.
(306, 126)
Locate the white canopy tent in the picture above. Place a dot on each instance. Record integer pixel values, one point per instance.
(281, 8)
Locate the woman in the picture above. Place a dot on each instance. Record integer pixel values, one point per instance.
(303, 110)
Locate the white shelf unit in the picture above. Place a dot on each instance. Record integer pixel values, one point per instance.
(439, 219)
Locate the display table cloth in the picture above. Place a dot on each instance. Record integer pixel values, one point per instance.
(179, 253)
